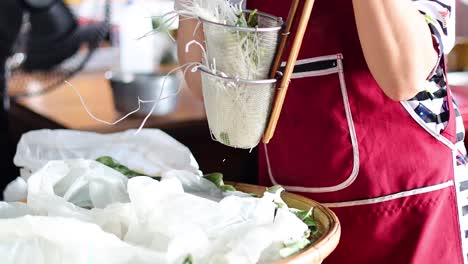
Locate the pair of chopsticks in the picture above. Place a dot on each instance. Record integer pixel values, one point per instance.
(296, 46)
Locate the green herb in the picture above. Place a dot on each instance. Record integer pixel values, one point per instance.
(239, 19)
(188, 260)
(224, 137)
(275, 189)
(252, 21)
(228, 188)
(112, 163)
(290, 249)
(308, 218)
(217, 179)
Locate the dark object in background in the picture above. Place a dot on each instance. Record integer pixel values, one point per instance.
(10, 23)
(54, 36)
(49, 38)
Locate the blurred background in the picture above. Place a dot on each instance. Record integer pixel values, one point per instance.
(98, 46)
(112, 56)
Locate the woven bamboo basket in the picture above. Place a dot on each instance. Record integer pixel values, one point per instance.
(328, 224)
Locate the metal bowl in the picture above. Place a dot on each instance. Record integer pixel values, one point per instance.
(127, 88)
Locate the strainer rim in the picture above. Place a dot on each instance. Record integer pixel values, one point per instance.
(204, 69)
(247, 29)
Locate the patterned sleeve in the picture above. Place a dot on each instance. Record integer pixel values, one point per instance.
(440, 15)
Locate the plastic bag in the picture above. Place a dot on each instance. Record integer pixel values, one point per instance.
(81, 211)
(17, 190)
(151, 152)
(84, 183)
(57, 240)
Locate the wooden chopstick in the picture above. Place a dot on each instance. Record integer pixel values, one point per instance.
(283, 88)
(284, 38)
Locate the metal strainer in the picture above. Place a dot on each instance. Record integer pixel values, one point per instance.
(237, 92)
(237, 109)
(240, 60)
(243, 52)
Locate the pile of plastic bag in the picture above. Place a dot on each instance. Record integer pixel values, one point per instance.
(81, 211)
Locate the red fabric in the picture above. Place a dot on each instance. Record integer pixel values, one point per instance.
(396, 237)
(312, 148)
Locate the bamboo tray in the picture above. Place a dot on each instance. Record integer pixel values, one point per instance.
(328, 224)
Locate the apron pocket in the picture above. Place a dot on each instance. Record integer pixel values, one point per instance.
(305, 125)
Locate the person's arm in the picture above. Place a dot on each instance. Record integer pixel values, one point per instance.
(184, 35)
(397, 44)
(189, 30)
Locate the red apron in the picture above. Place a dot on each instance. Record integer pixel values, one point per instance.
(342, 142)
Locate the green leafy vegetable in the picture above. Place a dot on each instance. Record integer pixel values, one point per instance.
(240, 17)
(290, 249)
(308, 218)
(112, 163)
(228, 188)
(217, 179)
(224, 137)
(188, 260)
(275, 189)
(252, 21)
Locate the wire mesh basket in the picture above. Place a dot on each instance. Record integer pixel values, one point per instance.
(243, 52)
(237, 109)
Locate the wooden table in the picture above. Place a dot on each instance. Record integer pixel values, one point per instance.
(62, 108)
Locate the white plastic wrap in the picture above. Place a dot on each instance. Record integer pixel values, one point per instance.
(17, 190)
(151, 151)
(84, 183)
(57, 240)
(81, 211)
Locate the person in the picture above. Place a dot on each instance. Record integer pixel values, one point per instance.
(370, 129)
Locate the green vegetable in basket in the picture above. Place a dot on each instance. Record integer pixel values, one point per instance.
(217, 179)
(188, 260)
(112, 163)
(275, 189)
(228, 188)
(308, 218)
(291, 249)
(224, 138)
(252, 21)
